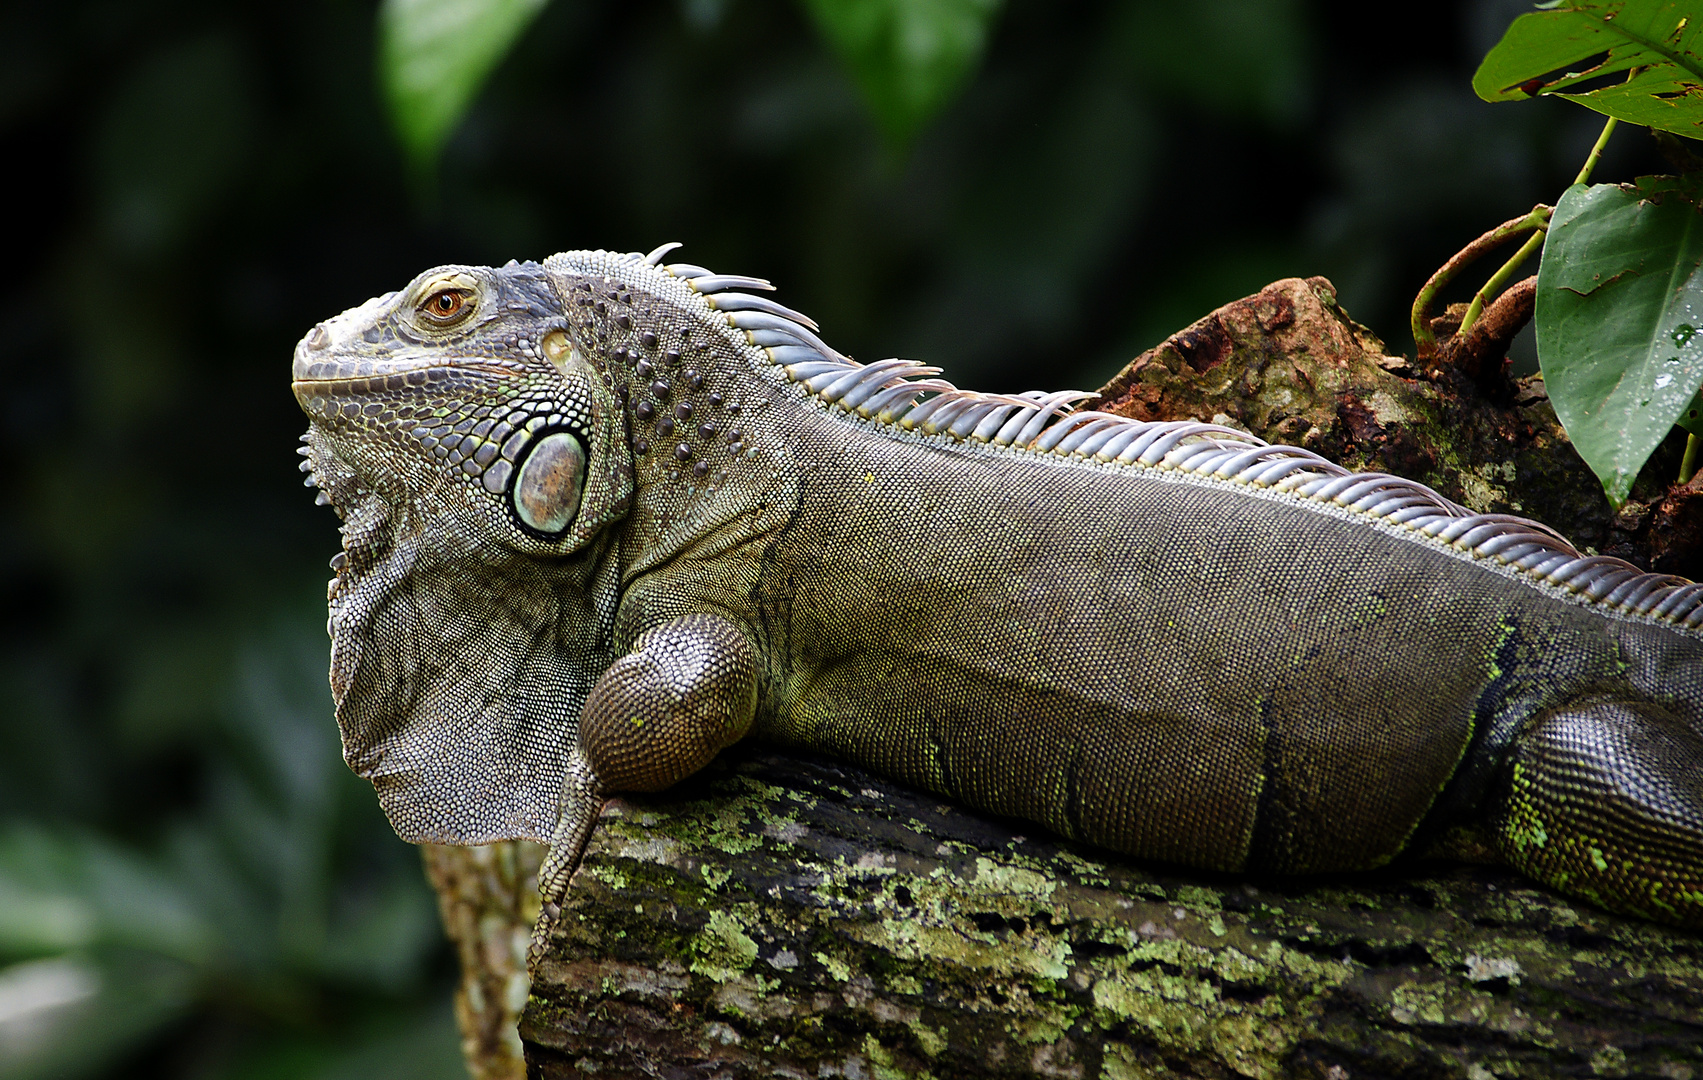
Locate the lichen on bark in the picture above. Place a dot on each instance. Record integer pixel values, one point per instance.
(798, 917)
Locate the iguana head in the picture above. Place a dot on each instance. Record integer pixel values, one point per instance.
(463, 399)
(475, 458)
(510, 450)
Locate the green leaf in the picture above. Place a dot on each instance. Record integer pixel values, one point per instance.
(1691, 417)
(1620, 319)
(909, 57)
(1660, 41)
(434, 55)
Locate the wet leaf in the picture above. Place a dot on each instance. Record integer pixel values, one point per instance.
(1691, 418)
(909, 57)
(1620, 319)
(434, 55)
(1660, 41)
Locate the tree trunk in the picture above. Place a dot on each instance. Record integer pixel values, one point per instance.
(798, 917)
(488, 899)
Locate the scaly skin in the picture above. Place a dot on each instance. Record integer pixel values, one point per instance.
(604, 518)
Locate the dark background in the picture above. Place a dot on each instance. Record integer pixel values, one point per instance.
(191, 884)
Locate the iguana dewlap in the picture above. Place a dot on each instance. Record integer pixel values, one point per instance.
(603, 517)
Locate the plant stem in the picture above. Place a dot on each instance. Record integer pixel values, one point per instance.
(1538, 218)
(1500, 278)
(1596, 151)
(1688, 464)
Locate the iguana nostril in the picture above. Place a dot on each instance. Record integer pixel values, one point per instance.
(318, 338)
(548, 486)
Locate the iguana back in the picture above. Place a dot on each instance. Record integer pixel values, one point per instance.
(1161, 666)
(686, 519)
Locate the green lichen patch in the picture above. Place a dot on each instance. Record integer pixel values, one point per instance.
(1010, 878)
(894, 936)
(722, 950)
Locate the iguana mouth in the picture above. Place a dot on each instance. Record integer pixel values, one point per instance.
(370, 376)
(307, 370)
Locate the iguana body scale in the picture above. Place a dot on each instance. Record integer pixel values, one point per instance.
(607, 517)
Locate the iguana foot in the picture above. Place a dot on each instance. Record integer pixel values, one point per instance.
(1604, 800)
(582, 800)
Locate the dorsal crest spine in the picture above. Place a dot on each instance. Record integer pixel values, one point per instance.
(906, 396)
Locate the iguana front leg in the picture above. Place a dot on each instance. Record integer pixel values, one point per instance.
(658, 715)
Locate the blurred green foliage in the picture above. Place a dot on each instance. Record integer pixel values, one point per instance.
(191, 884)
(909, 57)
(278, 919)
(434, 55)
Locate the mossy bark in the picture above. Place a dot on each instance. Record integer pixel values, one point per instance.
(801, 918)
(797, 917)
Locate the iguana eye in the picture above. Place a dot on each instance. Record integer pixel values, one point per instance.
(444, 305)
(547, 488)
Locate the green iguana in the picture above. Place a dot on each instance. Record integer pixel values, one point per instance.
(603, 517)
